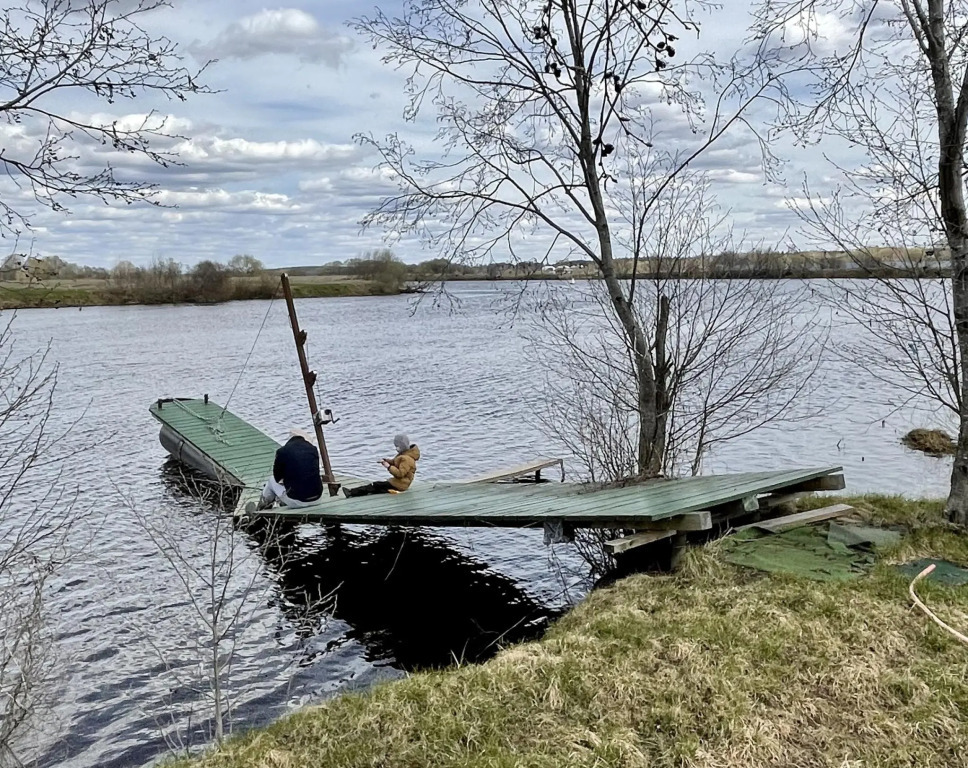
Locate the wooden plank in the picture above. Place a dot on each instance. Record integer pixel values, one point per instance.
(477, 505)
(691, 521)
(779, 499)
(665, 498)
(245, 456)
(825, 483)
(524, 469)
(670, 497)
(615, 546)
(485, 499)
(778, 524)
(737, 508)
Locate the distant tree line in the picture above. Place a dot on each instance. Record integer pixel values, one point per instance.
(167, 281)
(162, 281)
(387, 271)
(385, 268)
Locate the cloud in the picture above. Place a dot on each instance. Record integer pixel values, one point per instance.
(358, 178)
(247, 201)
(730, 159)
(801, 203)
(300, 152)
(154, 122)
(825, 33)
(733, 176)
(286, 31)
(206, 159)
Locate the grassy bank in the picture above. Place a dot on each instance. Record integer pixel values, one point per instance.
(89, 293)
(714, 666)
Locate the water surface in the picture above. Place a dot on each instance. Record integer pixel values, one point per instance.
(327, 611)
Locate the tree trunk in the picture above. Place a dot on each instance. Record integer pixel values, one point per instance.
(663, 396)
(957, 506)
(651, 437)
(952, 111)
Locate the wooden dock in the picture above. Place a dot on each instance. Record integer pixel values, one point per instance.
(225, 447)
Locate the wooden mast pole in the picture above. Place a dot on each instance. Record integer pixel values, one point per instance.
(309, 379)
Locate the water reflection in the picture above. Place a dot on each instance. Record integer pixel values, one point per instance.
(408, 597)
(188, 488)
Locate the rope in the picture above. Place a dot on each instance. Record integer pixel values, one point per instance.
(215, 425)
(958, 636)
(247, 357)
(185, 408)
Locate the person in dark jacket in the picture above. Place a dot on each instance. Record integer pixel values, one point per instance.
(295, 480)
(401, 467)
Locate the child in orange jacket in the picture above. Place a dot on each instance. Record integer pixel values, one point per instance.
(402, 467)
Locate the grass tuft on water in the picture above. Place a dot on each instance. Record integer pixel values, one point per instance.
(713, 666)
(934, 442)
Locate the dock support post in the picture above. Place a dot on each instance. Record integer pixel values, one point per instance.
(309, 378)
(679, 544)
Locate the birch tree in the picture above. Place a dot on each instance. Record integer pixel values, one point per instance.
(892, 80)
(539, 105)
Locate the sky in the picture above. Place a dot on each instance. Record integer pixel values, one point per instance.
(269, 166)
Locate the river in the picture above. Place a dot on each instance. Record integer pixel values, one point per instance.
(461, 383)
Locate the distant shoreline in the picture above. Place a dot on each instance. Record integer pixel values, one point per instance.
(818, 274)
(52, 294)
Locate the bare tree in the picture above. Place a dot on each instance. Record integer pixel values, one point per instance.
(220, 576)
(37, 513)
(731, 353)
(539, 104)
(99, 48)
(244, 264)
(903, 332)
(384, 269)
(899, 94)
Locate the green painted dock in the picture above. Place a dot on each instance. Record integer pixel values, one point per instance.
(237, 452)
(206, 436)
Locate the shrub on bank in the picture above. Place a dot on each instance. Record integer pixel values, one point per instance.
(182, 290)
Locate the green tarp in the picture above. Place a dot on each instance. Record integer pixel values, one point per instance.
(806, 551)
(828, 552)
(944, 572)
(860, 535)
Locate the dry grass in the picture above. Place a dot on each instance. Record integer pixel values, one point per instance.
(934, 442)
(715, 666)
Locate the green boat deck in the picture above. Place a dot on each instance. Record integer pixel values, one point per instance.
(239, 454)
